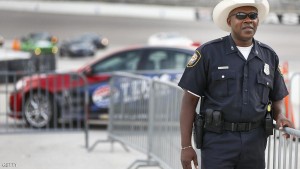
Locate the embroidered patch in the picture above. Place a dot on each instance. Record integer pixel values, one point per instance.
(194, 59)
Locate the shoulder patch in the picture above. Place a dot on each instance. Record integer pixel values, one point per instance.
(194, 59)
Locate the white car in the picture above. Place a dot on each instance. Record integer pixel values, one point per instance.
(171, 39)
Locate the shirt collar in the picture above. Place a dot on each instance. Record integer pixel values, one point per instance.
(231, 47)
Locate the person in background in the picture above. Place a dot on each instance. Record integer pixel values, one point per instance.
(236, 77)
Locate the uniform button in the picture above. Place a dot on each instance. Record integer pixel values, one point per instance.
(245, 103)
(246, 75)
(268, 83)
(223, 76)
(246, 90)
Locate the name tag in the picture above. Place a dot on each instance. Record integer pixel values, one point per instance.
(223, 67)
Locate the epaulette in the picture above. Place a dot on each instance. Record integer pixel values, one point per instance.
(211, 42)
(265, 46)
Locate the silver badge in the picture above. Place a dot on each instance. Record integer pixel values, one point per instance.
(267, 69)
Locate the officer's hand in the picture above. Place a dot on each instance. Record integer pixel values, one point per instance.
(282, 121)
(187, 157)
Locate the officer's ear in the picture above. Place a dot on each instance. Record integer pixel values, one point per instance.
(229, 21)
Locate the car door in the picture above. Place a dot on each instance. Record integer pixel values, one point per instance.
(164, 63)
(101, 72)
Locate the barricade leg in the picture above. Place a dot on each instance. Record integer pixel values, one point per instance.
(111, 141)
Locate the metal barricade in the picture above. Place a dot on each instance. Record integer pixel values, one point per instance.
(144, 114)
(165, 103)
(42, 102)
(283, 153)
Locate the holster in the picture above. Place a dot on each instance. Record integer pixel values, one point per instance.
(269, 128)
(198, 131)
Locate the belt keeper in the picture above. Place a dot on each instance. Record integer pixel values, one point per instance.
(232, 127)
(249, 126)
(183, 148)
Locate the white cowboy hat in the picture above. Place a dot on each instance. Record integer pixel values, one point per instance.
(222, 9)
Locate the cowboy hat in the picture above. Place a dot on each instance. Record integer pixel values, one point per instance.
(223, 8)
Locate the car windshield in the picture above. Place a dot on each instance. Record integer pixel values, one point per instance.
(121, 61)
(39, 36)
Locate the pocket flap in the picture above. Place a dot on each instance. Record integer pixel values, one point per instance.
(265, 81)
(223, 75)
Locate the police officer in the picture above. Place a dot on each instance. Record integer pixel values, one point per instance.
(238, 76)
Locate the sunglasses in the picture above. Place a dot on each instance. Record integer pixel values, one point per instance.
(243, 15)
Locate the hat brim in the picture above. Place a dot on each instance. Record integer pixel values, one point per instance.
(222, 10)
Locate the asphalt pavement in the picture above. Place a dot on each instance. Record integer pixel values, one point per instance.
(64, 151)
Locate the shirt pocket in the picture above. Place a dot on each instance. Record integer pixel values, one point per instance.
(223, 83)
(265, 84)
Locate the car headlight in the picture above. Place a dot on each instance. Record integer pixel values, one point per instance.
(37, 51)
(20, 84)
(54, 49)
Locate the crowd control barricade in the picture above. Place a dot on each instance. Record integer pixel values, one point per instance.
(164, 133)
(283, 153)
(144, 115)
(42, 102)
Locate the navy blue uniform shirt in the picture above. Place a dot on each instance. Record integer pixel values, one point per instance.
(238, 87)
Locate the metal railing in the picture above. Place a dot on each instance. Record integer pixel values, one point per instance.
(283, 153)
(144, 115)
(42, 102)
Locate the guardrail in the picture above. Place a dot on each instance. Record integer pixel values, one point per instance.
(144, 115)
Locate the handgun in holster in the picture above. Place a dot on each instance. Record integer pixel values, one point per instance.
(269, 127)
(199, 127)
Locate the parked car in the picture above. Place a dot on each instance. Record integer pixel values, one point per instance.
(154, 61)
(40, 44)
(77, 48)
(171, 38)
(84, 45)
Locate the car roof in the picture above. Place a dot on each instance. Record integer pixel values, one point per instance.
(136, 47)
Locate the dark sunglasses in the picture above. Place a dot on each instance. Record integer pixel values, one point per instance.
(243, 15)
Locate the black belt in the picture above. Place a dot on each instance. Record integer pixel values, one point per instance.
(242, 127)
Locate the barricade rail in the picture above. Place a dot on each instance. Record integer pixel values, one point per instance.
(42, 102)
(144, 115)
(282, 153)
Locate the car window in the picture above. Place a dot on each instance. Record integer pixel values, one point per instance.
(162, 59)
(181, 60)
(121, 61)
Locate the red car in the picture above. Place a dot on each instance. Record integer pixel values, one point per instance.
(48, 99)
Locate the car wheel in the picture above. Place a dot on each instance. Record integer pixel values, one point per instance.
(38, 110)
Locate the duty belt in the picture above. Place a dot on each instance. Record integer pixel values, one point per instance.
(242, 127)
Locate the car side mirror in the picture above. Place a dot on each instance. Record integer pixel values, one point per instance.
(88, 71)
